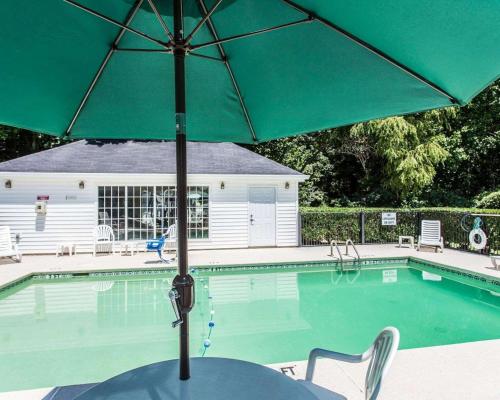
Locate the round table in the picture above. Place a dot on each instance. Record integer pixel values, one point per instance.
(211, 378)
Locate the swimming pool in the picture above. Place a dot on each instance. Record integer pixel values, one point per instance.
(60, 330)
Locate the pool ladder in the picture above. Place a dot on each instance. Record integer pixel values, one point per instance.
(348, 243)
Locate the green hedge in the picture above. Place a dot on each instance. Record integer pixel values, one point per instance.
(321, 225)
(380, 209)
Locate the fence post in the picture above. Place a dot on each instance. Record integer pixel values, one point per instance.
(299, 227)
(419, 220)
(362, 227)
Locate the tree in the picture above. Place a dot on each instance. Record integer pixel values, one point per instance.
(473, 143)
(357, 143)
(15, 142)
(304, 154)
(410, 150)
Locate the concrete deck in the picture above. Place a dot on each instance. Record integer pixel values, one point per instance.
(466, 371)
(11, 271)
(463, 371)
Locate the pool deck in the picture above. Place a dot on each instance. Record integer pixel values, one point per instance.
(467, 371)
(461, 371)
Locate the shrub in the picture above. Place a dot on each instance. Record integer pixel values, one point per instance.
(488, 200)
(322, 224)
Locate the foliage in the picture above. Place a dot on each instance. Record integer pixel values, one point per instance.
(489, 200)
(302, 154)
(410, 152)
(473, 142)
(436, 158)
(15, 142)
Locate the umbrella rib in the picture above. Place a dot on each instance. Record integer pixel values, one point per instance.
(374, 50)
(136, 50)
(119, 24)
(207, 57)
(160, 20)
(202, 21)
(223, 55)
(99, 72)
(249, 34)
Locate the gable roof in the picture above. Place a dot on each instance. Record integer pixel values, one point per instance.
(148, 157)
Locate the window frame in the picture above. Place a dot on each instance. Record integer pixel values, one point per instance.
(123, 213)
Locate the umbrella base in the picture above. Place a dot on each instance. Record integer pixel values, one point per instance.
(211, 378)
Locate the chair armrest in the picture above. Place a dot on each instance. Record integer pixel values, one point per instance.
(315, 353)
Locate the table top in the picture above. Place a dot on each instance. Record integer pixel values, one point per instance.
(211, 378)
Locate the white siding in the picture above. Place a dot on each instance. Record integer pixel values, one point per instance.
(72, 212)
(66, 220)
(228, 216)
(287, 215)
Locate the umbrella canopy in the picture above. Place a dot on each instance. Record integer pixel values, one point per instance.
(342, 62)
(235, 70)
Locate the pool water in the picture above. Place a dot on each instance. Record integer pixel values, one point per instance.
(78, 330)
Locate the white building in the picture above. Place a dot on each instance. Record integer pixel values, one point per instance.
(236, 198)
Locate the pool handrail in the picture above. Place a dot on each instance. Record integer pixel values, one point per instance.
(347, 242)
(332, 243)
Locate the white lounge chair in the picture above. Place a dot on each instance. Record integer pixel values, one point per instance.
(7, 248)
(104, 238)
(431, 235)
(381, 353)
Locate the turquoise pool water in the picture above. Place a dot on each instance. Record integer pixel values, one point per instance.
(86, 329)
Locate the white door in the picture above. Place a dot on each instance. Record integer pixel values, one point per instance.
(262, 216)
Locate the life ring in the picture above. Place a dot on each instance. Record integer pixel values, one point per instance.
(475, 234)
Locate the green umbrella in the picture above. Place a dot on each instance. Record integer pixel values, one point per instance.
(235, 70)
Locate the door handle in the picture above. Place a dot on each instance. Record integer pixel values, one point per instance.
(251, 219)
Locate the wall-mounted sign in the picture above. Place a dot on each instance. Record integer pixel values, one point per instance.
(70, 197)
(42, 197)
(389, 218)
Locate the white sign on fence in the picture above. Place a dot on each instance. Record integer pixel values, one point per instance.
(389, 218)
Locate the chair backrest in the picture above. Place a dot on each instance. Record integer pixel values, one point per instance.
(171, 232)
(104, 232)
(431, 230)
(382, 353)
(5, 239)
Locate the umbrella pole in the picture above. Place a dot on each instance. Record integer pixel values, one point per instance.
(183, 283)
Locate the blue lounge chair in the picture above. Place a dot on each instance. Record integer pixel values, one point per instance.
(167, 241)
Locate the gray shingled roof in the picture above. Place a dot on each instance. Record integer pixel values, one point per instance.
(148, 157)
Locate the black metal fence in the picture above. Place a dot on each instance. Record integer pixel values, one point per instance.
(319, 228)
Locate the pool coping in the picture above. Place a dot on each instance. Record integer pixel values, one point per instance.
(131, 271)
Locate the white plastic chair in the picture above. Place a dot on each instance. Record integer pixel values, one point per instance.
(431, 235)
(7, 248)
(104, 237)
(171, 238)
(381, 354)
